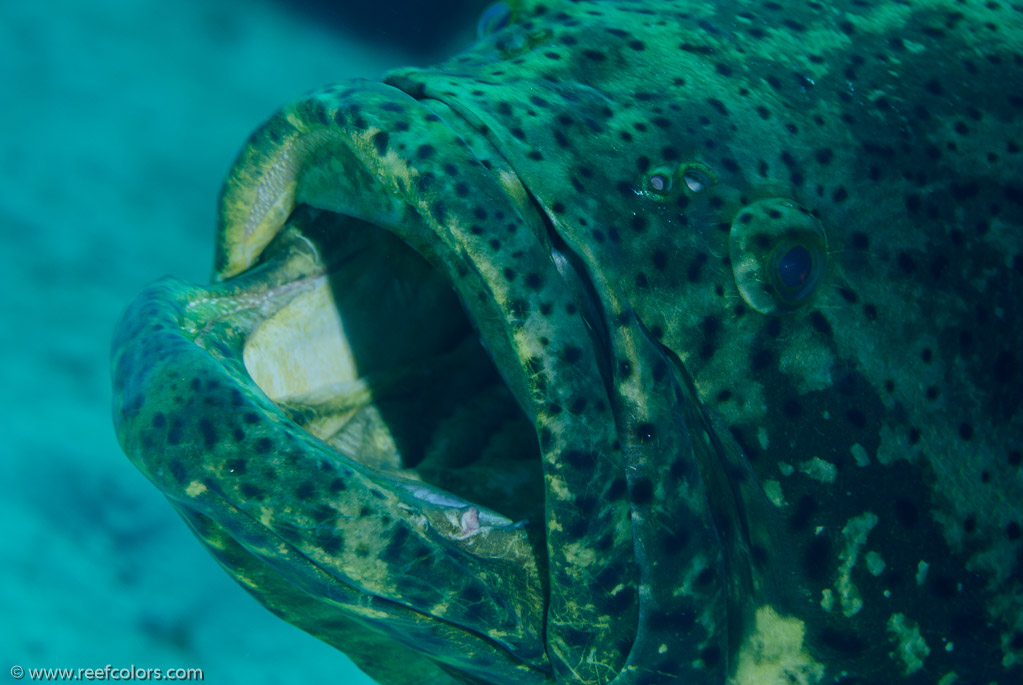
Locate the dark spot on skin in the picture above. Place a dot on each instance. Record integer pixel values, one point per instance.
(802, 517)
(177, 471)
(791, 409)
(209, 435)
(642, 491)
(711, 656)
(263, 445)
(425, 151)
(579, 459)
(761, 359)
(572, 354)
(857, 418)
(174, 435)
(841, 641)
(695, 267)
(718, 106)
(943, 587)
(587, 505)
(817, 558)
(250, 492)
(906, 511)
(819, 323)
(965, 431)
(472, 595)
(660, 371)
(380, 141)
(305, 491)
(617, 489)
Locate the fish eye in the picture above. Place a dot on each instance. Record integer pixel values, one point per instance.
(796, 271)
(778, 252)
(794, 266)
(494, 18)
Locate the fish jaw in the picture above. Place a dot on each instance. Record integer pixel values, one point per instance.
(259, 406)
(292, 466)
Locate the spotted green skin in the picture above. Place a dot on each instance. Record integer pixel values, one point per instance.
(881, 416)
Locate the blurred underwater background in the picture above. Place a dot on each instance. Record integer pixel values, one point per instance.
(119, 121)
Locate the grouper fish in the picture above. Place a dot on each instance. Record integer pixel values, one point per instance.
(643, 342)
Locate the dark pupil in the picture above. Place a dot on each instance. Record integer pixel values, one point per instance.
(794, 267)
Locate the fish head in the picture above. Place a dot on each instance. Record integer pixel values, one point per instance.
(641, 341)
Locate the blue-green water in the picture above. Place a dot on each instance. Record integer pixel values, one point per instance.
(119, 119)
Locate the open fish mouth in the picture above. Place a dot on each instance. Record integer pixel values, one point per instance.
(370, 350)
(334, 398)
(407, 398)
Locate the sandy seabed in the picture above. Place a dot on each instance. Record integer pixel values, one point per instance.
(119, 120)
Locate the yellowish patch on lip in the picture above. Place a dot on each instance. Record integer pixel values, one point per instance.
(195, 488)
(774, 653)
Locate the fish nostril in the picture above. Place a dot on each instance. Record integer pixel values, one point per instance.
(659, 183)
(678, 181)
(696, 180)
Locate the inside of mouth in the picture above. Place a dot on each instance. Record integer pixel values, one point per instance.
(377, 357)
